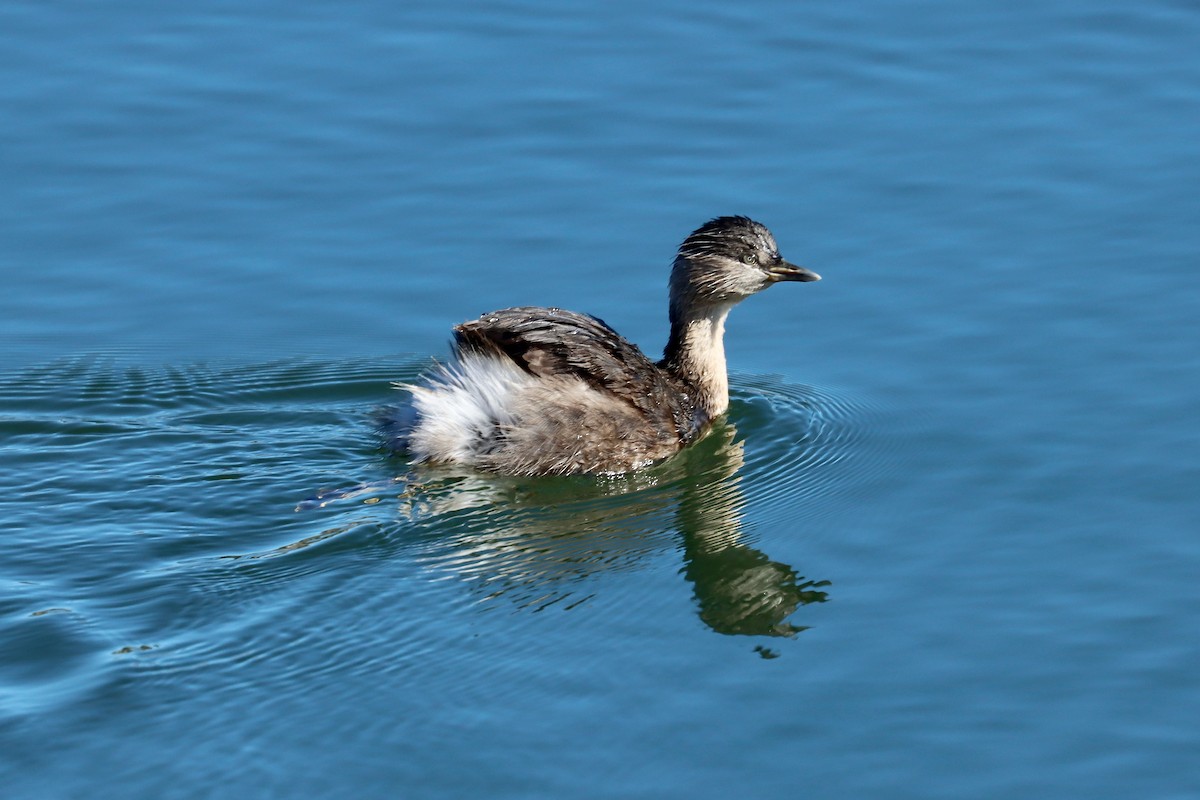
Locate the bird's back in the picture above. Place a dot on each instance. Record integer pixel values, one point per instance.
(542, 390)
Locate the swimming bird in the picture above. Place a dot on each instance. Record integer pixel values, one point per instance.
(539, 391)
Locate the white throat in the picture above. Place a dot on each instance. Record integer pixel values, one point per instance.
(701, 357)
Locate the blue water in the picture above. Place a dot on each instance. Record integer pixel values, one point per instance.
(944, 546)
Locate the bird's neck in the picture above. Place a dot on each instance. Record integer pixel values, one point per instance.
(695, 353)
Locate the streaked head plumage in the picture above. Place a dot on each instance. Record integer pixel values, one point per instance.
(726, 260)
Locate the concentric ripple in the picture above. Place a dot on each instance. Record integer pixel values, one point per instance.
(190, 502)
(805, 442)
(542, 542)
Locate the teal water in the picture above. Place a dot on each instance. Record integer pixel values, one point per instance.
(945, 544)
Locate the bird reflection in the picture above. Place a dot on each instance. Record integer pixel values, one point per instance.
(532, 540)
(738, 588)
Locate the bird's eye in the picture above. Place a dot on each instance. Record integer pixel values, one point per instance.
(749, 258)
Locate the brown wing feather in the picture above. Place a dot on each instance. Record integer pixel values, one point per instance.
(550, 342)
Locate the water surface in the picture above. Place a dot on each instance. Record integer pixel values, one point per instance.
(943, 546)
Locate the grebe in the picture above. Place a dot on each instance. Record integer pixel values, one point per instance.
(540, 391)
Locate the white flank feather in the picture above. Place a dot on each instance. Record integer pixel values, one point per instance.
(464, 406)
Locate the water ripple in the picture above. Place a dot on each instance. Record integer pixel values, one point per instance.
(186, 499)
(104, 386)
(806, 442)
(544, 542)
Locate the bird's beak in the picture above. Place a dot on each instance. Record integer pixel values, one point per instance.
(783, 271)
